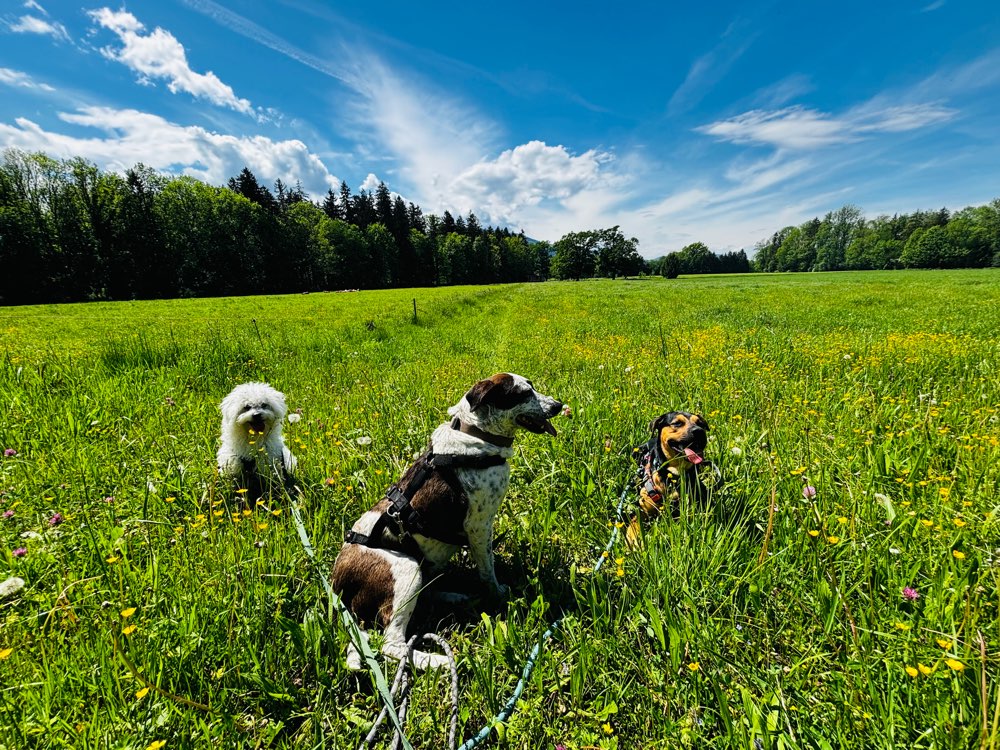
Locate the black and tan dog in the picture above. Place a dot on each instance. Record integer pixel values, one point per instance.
(669, 463)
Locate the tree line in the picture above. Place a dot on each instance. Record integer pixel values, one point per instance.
(72, 232)
(845, 240)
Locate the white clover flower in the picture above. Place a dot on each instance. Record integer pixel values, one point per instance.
(364, 440)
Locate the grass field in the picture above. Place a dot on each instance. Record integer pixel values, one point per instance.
(879, 390)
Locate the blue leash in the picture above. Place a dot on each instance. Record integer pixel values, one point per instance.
(529, 665)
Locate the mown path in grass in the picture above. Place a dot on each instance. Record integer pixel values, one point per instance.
(879, 390)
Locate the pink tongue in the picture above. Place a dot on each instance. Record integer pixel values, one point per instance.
(691, 456)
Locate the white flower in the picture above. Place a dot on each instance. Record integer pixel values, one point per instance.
(628, 369)
(31, 535)
(736, 451)
(364, 440)
(294, 417)
(895, 550)
(11, 586)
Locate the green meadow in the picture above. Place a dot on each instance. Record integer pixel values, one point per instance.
(158, 610)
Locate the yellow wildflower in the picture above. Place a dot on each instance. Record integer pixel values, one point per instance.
(957, 554)
(925, 670)
(911, 671)
(813, 533)
(126, 613)
(140, 694)
(4, 653)
(694, 666)
(129, 630)
(954, 664)
(944, 643)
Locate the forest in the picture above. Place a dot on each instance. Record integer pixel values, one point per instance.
(70, 231)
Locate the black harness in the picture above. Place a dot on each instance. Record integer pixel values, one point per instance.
(394, 529)
(652, 462)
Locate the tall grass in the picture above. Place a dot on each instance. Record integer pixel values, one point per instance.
(878, 390)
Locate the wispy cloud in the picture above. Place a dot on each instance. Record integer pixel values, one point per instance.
(35, 25)
(933, 6)
(159, 55)
(129, 136)
(783, 91)
(800, 128)
(709, 69)
(23, 80)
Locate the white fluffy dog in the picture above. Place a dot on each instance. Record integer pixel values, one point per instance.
(252, 415)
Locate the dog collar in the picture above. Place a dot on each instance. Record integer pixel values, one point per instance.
(489, 437)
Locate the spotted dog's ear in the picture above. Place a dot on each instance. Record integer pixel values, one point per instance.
(660, 422)
(500, 391)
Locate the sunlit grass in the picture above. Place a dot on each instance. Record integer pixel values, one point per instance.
(158, 607)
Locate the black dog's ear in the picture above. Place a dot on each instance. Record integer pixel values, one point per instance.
(488, 391)
(702, 422)
(660, 422)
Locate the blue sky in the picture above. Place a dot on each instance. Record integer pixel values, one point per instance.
(719, 122)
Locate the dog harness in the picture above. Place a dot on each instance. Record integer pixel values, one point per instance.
(402, 520)
(651, 461)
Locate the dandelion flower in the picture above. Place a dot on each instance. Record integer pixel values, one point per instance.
(241, 491)
(958, 522)
(262, 527)
(364, 440)
(910, 594)
(954, 664)
(842, 519)
(4, 653)
(944, 643)
(925, 670)
(607, 728)
(126, 613)
(903, 626)
(694, 666)
(620, 572)
(129, 630)
(912, 671)
(112, 559)
(140, 694)
(813, 533)
(832, 539)
(276, 512)
(156, 744)
(958, 554)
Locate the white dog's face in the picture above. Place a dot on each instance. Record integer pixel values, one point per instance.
(505, 402)
(254, 406)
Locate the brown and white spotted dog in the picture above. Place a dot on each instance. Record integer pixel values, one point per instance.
(447, 499)
(668, 462)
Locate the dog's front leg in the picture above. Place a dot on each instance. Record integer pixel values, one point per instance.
(479, 529)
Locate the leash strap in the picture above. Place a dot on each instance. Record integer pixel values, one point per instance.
(353, 631)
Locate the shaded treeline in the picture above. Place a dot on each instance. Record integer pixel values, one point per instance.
(71, 232)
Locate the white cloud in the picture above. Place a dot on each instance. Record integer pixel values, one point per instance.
(800, 128)
(19, 78)
(158, 54)
(129, 136)
(525, 176)
(35, 25)
(32, 5)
